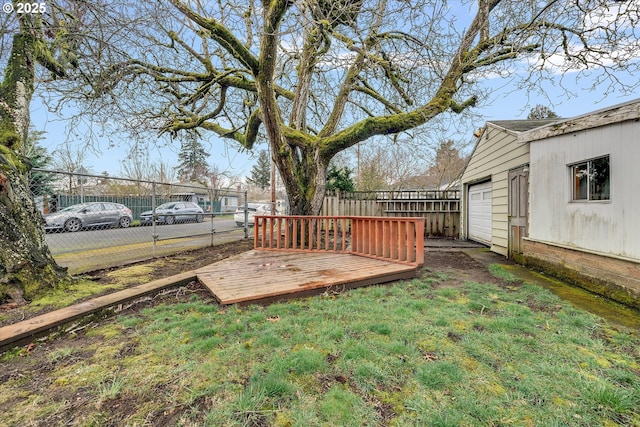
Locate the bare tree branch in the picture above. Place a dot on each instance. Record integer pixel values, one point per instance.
(316, 77)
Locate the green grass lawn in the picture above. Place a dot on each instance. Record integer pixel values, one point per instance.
(415, 353)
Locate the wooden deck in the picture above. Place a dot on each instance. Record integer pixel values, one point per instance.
(257, 276)
(344, 253)
(260, 276)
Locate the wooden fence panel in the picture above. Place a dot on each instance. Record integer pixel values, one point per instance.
(440, 209)
(335, 206)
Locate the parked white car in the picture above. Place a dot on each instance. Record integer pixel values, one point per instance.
(253, 209)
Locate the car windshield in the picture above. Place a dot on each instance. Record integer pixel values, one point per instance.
(166, 206)
(73, 208)
(254, 207)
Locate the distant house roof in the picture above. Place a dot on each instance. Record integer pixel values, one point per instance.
(188, 188)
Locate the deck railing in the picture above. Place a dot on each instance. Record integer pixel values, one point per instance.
(386, 238)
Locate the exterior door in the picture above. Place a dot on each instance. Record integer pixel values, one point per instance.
(111, 214)
(518, 210)
(92, 214)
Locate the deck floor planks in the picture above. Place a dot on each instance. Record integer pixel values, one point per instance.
(259, 275)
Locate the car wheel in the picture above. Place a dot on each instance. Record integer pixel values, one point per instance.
(239, 224)
(169, 219)
(199, 218)
(125, 222)
(73, 224)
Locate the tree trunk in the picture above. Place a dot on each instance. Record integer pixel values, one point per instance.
(26, 264)
(304, 174)
(302, 167)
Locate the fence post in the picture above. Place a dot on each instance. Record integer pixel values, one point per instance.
(246, 216)
(154, 236)
(81, 179)
(212, 212)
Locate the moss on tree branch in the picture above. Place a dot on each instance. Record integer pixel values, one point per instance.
(222, 35)
(459, 108)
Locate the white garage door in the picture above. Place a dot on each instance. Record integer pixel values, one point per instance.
(480, 212)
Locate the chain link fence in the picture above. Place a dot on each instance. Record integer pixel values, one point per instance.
(95, 221)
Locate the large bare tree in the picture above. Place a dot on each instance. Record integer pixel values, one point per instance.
(315, 77)
(42, 42)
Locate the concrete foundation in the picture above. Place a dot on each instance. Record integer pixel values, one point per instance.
(614, 278)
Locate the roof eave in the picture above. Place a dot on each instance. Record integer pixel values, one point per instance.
(614, 114)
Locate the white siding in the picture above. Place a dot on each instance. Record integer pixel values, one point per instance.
(228, 203)
(611, 227)
(496, 152)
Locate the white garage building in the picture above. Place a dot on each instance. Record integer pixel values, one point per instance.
(494, 187)
(561, 195)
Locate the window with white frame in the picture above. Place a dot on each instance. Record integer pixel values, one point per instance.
(590, 180)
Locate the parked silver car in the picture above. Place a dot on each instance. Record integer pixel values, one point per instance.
(85, 215)
(172, 212)
(253, 209)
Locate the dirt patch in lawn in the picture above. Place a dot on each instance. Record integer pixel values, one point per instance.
(454, 267)
(175, 264)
